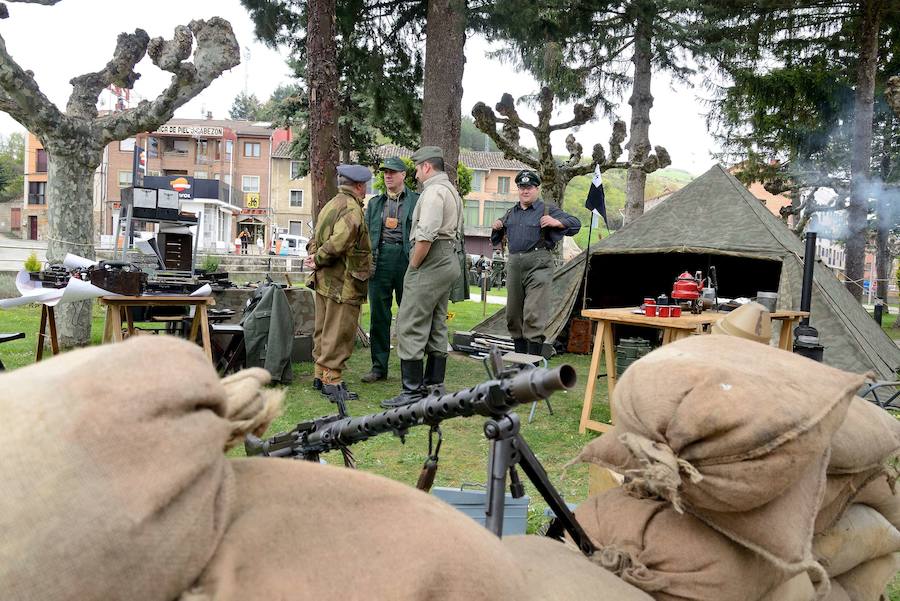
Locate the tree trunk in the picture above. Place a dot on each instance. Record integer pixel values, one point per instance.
(70, 215)
(883, 259)
(641, 101)
(322, 80)
(444, 63)
(554, 191)
(861, 153)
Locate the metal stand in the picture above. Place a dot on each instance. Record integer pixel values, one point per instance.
(508, 449)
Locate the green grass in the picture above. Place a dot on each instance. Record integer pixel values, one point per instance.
(475, 292)
(555, 438)
(887, 323)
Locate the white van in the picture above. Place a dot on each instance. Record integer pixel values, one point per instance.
(291, 245)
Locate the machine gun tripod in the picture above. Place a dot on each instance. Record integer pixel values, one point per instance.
(493, 399)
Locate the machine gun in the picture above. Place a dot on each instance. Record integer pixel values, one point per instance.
(493, 399)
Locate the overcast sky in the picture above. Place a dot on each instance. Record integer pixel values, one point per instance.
(78, 36)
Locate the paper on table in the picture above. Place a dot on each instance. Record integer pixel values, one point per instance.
(75, 262)
(33, 292)
(204, 290)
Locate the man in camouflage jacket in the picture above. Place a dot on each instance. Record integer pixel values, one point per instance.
(340, 256)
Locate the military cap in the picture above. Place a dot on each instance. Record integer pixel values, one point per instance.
(356, 173)
(427, 152)
(527, 177)
(393, 164)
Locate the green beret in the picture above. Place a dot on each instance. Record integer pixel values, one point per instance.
(393, 164)
(427, 152)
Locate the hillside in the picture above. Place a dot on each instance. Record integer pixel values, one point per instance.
(614, 187)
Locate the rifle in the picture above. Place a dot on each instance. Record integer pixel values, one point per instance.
(494, 399)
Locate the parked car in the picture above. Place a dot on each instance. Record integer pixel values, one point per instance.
(289, 245)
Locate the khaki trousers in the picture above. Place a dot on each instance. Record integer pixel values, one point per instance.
(334, 337)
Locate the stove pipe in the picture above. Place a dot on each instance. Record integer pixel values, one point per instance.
(806, 337)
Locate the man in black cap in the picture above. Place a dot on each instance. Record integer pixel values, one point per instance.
(389, 219)
(532, 229)
(340, 257)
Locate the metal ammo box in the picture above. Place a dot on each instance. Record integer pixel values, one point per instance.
(168, 203)
(142, 201)
(471, 503)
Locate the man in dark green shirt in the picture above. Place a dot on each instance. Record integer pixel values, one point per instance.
(389, 218)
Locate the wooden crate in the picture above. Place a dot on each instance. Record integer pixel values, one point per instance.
(581, 335)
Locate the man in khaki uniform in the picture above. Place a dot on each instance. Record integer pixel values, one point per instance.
(433, 268)
(340, 256)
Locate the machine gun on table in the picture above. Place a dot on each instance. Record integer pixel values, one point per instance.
(494, 399)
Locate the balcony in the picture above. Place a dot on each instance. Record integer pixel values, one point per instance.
(483, 231)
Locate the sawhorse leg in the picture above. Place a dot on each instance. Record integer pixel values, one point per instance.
(47, 315)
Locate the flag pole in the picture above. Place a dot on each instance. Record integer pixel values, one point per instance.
(587, 262)
(595, 199)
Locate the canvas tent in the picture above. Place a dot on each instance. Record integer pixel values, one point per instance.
(714, 220)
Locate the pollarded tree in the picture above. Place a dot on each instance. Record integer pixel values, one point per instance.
(556, 176)
(75, 138)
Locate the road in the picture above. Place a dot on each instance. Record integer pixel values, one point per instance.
(13, 252)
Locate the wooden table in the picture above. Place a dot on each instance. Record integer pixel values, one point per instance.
(116, 306)
(673, 328)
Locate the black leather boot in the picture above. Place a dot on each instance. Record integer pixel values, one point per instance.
(412, 381)
(521, 345)
(435, 370)
(317, 383)
(535, 348)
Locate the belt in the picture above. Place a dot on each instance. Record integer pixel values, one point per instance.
(384, 243)
(525, 252)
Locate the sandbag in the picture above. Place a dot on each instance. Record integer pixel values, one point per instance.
(860, 535)
(672, 556)
(798, 588)
(880, 494)
(865, 441)
(554, 571)
(837, 593)
(115, 485)
(722, 423)
(301, 527)
(866, 582)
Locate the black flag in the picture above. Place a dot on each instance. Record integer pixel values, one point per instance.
(596, 198)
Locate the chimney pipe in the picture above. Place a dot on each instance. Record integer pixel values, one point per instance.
(806, 337)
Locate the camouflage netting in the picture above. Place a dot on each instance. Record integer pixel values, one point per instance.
(714, 220)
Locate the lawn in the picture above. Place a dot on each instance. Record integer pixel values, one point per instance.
(887, 322)
(554, 439)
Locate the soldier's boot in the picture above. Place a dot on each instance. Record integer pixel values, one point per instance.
(435, 370)
(536, 347)
(412, 382)
(317, 384)
(373, 376)
(521, 345)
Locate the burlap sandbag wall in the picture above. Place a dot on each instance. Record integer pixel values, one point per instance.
(115, 485)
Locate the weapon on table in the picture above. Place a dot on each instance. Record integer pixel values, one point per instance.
(493, 399)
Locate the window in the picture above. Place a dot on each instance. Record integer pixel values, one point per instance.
(127, 145)
(295, 169)
(477, 181)
(41, 160)
(495, 210)
(502, 185)
(250, 183)
(252, 149)
(296, 228)
(126, 178)
(470, 211)
(296, 198)
(229, 148)
(203, 149)
(37, 193)
(201, 174)
(222, 236)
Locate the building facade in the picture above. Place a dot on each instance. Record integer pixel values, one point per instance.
(32, 218)
(291, 197)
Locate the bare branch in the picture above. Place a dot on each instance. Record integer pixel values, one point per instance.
(217, 50)
(486, 121)
(130, 49)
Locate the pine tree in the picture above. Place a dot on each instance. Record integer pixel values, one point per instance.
(246, 107)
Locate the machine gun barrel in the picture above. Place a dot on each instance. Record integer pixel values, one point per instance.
(492, 398)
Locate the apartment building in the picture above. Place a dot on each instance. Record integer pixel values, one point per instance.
(291, 198)
(31, 218)
(220, 168)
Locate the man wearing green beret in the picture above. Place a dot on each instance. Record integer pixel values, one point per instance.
(389, 218)
(434, 267)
